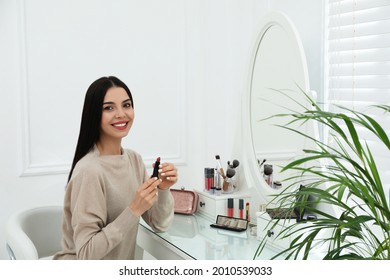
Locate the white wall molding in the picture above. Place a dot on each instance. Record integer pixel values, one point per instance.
(27, 168)
(42, 155)
(277, 155)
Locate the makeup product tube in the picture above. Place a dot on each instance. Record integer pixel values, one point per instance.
(218, 158)
(241, 208)
(156, 167)
(208, 179)
(230, 207)
(247, 212)
(216, 178)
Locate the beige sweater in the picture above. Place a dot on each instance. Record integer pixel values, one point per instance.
(97, 222)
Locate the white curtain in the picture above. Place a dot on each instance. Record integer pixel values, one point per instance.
(358, 49)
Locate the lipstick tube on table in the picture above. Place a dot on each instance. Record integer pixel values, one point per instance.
(230, 207)
(241, 208)
(247, 212)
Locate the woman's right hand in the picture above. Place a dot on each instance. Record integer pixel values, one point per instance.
(145, 196)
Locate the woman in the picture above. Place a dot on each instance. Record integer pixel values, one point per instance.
(108, 187)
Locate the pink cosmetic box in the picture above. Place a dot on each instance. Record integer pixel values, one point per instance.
(185, 201)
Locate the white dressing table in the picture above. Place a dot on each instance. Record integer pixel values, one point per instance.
(192, 238)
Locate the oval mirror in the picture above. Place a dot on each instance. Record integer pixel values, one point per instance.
(278, 73)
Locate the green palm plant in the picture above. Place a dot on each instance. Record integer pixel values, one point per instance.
(342, 176)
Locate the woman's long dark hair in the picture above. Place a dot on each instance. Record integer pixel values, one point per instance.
(92, 113)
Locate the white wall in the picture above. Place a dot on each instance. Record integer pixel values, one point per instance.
(186, 63)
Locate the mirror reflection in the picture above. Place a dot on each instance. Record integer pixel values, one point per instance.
(278, 73)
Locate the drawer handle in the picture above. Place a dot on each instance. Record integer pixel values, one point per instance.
(270, 233)
(202, 204)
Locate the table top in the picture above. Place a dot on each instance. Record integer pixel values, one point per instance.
(193, 235)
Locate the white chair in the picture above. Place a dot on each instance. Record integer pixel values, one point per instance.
(34, 233)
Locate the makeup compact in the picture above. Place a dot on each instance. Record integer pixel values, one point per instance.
(230, 223)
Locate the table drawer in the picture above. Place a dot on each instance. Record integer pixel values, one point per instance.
(268, 229)
(212, 205)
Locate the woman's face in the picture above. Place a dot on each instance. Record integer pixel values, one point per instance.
(117, 115)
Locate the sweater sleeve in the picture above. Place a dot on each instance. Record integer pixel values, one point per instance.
(160, 216)
(93, 237)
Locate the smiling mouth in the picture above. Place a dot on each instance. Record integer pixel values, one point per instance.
(120, 126)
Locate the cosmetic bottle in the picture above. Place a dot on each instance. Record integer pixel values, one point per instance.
(217, 182)
(208, 179)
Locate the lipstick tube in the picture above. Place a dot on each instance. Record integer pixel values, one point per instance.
(247, 212)
(241, 208)
(230, 207)
(155, 169)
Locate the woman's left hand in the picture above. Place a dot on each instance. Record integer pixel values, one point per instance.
(168, 175)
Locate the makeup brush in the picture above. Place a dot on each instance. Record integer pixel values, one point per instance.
(268, 169)
(261, 164)
(235, 163)
(230, 172)
(217, 157)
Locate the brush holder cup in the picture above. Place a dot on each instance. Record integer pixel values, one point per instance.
(228, 186)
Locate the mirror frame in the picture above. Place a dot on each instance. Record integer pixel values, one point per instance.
(253, 177)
